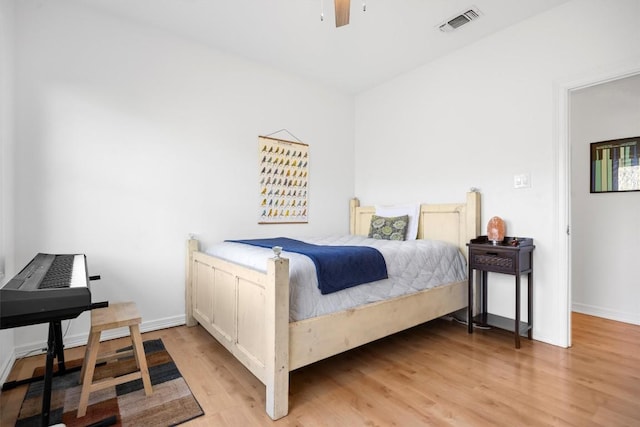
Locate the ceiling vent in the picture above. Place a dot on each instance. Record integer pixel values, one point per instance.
(458, 21)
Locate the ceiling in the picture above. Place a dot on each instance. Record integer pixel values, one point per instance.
(389, 38)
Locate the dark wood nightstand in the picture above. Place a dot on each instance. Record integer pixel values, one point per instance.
(511, 256)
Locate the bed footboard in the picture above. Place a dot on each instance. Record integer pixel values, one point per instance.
(247, 311)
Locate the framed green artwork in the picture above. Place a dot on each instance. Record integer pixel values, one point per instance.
(615, 166)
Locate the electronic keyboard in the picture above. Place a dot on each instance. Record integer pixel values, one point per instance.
(50, 288)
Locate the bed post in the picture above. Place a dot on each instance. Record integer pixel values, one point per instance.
(472, 229)
(473, 215)
(277, 338)
(353, 204)
(192, 246)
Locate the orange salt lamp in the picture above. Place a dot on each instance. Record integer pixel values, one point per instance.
(495, 230)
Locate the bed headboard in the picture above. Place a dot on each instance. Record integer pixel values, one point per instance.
(456, 223)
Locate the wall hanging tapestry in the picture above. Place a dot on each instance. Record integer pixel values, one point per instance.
(284, 177)
(615, 166)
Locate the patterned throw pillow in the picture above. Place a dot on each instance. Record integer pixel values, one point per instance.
(389, 228)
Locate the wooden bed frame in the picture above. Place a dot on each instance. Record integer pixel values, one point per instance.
(247, 311)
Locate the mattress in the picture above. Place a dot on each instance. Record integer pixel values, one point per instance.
(412, 266)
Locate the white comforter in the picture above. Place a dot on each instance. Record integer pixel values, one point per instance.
(412, 266)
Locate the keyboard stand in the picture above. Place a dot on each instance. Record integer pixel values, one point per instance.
(55, 349)
(61, 370)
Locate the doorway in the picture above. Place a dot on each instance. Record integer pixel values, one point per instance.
(574, 234)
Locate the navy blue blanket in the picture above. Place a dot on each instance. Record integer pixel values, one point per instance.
(337, 267)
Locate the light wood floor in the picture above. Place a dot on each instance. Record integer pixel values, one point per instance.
(433, 374)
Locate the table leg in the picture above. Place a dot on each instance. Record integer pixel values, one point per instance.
(530, 305)
(517, 320)
(483, 294)
(470, 302)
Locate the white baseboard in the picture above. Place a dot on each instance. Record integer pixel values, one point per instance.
(81, 339)
(607, 313)
(7, 366)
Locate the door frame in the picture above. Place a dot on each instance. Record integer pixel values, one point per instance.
(563, 199)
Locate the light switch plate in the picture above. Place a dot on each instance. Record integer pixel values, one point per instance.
(522, 181)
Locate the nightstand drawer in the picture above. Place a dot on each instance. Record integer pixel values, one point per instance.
(497, 261)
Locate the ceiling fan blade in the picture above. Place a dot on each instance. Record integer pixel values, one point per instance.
(342, 12)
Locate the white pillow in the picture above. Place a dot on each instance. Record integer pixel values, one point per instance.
(399, 210)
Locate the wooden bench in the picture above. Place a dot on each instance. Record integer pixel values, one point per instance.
(115, 316)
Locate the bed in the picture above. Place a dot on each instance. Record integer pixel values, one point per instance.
(247, 310)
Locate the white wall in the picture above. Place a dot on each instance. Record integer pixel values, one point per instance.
(129, 139)
(6, 172)
(120, 129)
(484, 113)
(605, 227)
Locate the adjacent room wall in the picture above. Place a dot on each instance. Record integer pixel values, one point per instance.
(130, 138)
(485, 113)
(605, 227)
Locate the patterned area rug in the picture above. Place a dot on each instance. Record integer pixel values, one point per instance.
(171, 402)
